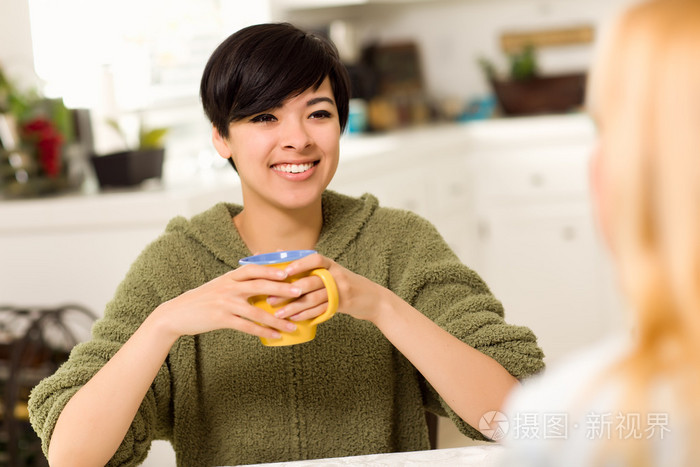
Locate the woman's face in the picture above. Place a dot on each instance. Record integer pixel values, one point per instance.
(286, 156)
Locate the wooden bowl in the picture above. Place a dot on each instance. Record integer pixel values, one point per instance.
(547, 94)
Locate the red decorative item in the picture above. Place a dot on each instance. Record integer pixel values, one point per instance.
(48, 144)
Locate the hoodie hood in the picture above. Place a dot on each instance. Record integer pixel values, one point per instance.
(343, 219)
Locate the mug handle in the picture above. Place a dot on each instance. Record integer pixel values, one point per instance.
(332, 291)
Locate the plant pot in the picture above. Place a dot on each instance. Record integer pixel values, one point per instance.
(128, 168)
(551, 94)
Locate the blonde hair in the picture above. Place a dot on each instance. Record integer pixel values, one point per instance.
(644, 94)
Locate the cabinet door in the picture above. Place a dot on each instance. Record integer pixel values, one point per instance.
(398, 188)
(542, 173)
(451, 203)
(544, 263)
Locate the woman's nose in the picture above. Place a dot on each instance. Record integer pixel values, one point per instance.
(295, 135)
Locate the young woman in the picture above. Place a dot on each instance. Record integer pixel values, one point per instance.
(634, 401)
(176, 355)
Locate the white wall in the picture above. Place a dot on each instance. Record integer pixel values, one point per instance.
(16, 55)
(452, 33)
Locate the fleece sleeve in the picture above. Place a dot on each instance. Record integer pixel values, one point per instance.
(134, 299)
(429, 276)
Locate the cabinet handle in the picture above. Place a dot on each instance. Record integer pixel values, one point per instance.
(537, 180)
(568, 233)
(411, 205)
(483, 230)
(455, 189)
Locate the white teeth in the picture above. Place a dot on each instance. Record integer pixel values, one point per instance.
(293, 168)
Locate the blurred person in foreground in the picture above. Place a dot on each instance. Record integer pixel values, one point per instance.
(634, 401)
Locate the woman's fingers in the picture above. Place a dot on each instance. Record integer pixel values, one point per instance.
(256, 271)
(265, 280)
(267, 320)
(283, 290)
(252, 328)
(307, 263)
(304, 285)
(310, 313)
(303, 299)
(308, 306)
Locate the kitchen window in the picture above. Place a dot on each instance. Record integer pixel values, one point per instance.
(151, 50)
(136, 61)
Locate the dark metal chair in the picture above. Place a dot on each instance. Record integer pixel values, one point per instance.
(33, 343)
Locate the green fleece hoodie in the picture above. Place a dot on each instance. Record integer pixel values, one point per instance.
(222, 398)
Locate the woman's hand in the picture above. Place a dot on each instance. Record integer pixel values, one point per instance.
(358, 296)
(222, 303)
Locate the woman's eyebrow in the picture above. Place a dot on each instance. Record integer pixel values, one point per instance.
(317, 100)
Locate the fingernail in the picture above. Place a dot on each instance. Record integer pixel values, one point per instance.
(279, 313)
(276, 335)
(281, 274)
(296, 290)
(291, 326)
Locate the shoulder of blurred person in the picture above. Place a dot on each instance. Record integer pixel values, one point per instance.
(567, 415)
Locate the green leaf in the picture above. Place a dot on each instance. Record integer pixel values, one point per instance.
(62, 118)
(152, 138)
(523, 64)
(117, 127)
(488, 68)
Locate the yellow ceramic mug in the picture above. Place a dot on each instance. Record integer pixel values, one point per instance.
(306, 329)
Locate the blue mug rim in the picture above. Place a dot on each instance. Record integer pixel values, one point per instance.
(276, 257)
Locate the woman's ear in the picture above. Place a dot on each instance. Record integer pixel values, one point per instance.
(220, 144)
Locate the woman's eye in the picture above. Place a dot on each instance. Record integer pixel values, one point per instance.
(321, 114)
(263, 118)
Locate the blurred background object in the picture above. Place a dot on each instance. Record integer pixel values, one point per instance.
(33, 344)
(136, 163)
(541, 94)
(524, 89)
(37, 140)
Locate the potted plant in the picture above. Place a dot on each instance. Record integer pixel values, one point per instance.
(132, 166)
(525, 91)
(34, 133)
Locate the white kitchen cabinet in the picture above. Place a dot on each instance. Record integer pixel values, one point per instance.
(538, 246)
(544, 264)
(451, 200)
(403, 189)
(77, 249)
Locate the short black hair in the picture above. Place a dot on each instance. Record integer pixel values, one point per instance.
(258, 67)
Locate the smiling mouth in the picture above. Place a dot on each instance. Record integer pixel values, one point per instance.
(294, 168)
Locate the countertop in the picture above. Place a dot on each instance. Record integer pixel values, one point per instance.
(186, 193)
(471, 456)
